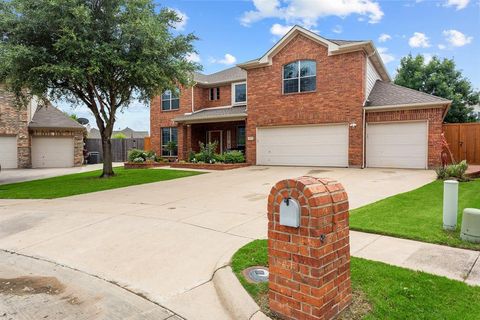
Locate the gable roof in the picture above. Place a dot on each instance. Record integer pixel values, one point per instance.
(386, 94)
(228, 75)
(49, 117)
(334, 47)
(94, 133)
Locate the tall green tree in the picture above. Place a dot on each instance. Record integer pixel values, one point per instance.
(100, 53)
(440, 78)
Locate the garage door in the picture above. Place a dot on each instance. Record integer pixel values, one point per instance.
(49, 152)
(397, 145)
(325, 145)
(8, 152)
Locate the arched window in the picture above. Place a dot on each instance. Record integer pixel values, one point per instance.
(300, 76)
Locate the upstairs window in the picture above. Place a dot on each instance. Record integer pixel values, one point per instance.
(239, 93)
(300, 76)
(214, 94)
(170, 100)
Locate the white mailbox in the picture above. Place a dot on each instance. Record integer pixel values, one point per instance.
(290, 213)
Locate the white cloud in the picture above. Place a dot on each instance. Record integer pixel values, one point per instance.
(181, 24)
(458, 4)
(228, 59)
(337, 29)
(442, 46)
(385, 55)
(194, 57)
(279, 30)
(456, 38)
(307, 12)
(419, 40)
(427, 57)
(384, 37)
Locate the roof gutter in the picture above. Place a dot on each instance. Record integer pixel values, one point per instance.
(223, 118)
(428, 105)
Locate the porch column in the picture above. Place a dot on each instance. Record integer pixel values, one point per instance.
(181, 141)
(188, 140)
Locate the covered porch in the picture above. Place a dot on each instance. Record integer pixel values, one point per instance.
(225, 126)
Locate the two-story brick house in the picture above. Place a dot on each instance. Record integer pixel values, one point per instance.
(308, 101)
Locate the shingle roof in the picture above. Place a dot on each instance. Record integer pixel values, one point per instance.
(344, 42)
(94, 133)
(388, 94)
(214, 113)
(227, 75)
(49, 117)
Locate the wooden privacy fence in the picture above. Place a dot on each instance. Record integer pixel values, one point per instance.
(120, 147)
(464, 141)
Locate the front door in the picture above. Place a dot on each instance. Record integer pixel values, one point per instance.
(216, 136)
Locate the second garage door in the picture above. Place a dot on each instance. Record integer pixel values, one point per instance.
(321, 145)
(8, 152)
(49, 152)
(397, 145)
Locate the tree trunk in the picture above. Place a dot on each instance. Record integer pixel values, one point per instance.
(107, 158)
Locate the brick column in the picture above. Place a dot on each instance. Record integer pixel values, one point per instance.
(188, 139)
(309, 265)
(181, 141)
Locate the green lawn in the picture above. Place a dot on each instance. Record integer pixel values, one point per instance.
(391, 292)
(86, 182)
(417, 214)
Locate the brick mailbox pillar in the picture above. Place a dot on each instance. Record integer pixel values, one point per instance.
(310, 264)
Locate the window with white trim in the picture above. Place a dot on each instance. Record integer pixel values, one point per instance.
(170, 100)
(300, 76)
(239, 93)
(169, 136)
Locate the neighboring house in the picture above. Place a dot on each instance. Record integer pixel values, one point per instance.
(37, 136)
(94, 133)
(308, 101)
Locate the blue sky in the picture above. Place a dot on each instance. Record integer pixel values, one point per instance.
(235, 31)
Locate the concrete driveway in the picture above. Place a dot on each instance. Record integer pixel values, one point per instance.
(165, 240)
(19, 175)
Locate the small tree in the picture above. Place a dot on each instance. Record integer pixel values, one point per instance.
(101, 53)
(440, 78)
(119, 135)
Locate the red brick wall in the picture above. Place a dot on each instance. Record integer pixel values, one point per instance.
(310, 265)
(162, 119)
(338, 99)
(205, 102)
(435, 120)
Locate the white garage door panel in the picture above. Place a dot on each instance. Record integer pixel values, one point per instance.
(303, 145)
(8, 152)
(49, 152)
(397, 145)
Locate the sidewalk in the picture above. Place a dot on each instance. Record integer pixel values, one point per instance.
(453, 263)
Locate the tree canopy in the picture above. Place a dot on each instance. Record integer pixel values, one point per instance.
(440, 78)
(100, 53)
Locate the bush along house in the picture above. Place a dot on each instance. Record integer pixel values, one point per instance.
(308, 101)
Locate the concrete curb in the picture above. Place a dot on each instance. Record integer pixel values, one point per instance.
(234, 297)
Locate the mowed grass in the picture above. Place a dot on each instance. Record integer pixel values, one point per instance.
(391, 292)
(417, 214)
(86, 182)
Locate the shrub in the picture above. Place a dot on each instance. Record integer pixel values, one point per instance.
(119, 135)
(191, 156)
(453, 171)
(219, 157)
(207, 152)
(138, 160)
(233, 157)
(134, 154)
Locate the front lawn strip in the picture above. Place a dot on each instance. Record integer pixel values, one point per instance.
(87, 182)
(417, 214)
(391, 292)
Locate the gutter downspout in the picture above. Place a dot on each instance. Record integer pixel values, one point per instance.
(363, 138)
